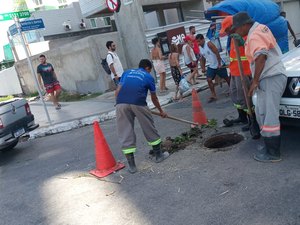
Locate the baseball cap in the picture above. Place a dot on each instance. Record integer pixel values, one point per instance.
(226, 23)
(240, 19)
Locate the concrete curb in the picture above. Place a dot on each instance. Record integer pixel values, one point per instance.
(81, 122)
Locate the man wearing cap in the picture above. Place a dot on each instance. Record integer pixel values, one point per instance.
(236, 88)
(269, 81)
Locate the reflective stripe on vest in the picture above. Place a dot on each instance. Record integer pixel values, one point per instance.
(243, 58)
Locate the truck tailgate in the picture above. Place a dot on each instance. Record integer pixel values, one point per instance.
(13, 110)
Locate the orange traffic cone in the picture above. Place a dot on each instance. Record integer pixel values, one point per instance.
(105, 161)
(198, 112)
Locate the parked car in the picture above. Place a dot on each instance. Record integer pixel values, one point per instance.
(290, 102)
(16, 120)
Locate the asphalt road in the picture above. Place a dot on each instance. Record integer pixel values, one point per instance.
(46, 180)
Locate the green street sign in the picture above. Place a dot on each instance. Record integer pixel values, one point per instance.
(12, 15)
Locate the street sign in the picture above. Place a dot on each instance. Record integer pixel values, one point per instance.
(13, 30)
(26, 26)
(32, 24)
(112, 5)
(12, 15)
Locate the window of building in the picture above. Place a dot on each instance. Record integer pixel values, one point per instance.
(93, 23)
(171, 16)
(151, 19)
(107, 21)
(38, 2)
(62, 1)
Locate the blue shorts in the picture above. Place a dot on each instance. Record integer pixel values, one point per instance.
(211, 73)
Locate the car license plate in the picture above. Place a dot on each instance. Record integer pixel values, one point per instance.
(290, 111)
(19, 132)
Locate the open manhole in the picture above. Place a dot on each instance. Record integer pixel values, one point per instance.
(223, 140)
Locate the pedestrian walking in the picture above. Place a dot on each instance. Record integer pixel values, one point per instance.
(269, 81)
(283, 14)
(48, 80)
(158, 63)
(131, 97)
(196, 48)
(175, 69)
(190, 59)
(114, 62)
(236, 89)
(215, 67)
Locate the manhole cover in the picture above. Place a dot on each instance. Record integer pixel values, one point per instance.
(223, 140)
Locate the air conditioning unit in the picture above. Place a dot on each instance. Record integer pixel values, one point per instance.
(67, 25)
(82, 25)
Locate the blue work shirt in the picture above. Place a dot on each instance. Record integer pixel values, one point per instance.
(135, 84)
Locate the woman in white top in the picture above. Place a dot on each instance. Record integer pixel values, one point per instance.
(190, 59)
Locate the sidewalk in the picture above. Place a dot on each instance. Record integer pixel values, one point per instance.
(81, 113)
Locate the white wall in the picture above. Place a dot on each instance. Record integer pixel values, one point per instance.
(77, 64)
(35, 48)
(9, 82)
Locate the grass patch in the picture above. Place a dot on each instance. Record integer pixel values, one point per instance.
(34, 94)
(5, 98)
(72, 97)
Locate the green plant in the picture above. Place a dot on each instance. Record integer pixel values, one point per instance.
(5, 98)
(211, 124)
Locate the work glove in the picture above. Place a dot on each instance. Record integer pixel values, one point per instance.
(237, 37)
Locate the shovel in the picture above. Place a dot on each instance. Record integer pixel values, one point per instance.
(177, 119)
(253, 125)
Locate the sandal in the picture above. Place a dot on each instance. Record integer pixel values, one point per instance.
(58, 107)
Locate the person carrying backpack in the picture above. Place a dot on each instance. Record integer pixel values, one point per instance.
(113, 61)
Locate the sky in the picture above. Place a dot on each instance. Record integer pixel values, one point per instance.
(6, 6)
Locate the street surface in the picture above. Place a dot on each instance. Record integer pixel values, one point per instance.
(46, 180)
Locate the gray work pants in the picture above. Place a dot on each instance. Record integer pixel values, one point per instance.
(126, 114)
(236, 91)
(268, 101)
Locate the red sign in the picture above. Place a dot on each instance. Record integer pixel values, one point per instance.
(112, 5)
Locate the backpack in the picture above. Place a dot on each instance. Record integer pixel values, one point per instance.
(105, 65)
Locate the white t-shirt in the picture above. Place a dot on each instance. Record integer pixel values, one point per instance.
(210, 56)
(187, 59)
(113, 58)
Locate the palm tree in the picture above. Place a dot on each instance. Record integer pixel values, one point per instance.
(19, 5)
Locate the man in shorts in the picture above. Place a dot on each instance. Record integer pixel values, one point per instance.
(211, 54)
(46, 73)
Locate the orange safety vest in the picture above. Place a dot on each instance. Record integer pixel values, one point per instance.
(234, 66)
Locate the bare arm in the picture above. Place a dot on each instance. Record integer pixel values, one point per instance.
(291, 30)
(157, 105)
(112, 69)
(40, 80)
(178, 64)
(189, 53)
(215, 51)
(202, 64)
(118, 90)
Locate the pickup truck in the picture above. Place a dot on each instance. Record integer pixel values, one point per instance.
(16, 120)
